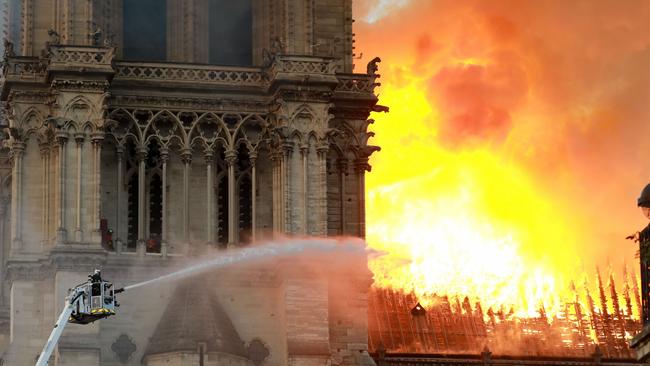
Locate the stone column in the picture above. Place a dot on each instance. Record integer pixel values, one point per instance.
(164, 157)
(304, 153)
(285, 178)
(79, 139)
(253, 159)
(45, 160)
(343, 169)
(61, 232)
(186, 157)
(361, 166)
(275, 164)
(119, 149)
(282, 205)
(322, 151)
(17, 152)
(97, 139)
(231, 160)
(209, 190)
(3, 212)
(142, 157)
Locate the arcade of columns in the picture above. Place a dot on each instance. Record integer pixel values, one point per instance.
(297, 157)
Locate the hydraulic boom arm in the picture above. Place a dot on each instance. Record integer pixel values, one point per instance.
(71, 302)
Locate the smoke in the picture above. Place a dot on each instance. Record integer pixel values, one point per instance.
(556, 90)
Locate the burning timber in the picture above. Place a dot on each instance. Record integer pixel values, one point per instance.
(398, 323)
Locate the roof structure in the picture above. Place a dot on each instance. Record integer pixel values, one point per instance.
(194, 316)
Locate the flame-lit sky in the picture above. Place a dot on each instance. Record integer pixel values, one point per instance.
(516, 145)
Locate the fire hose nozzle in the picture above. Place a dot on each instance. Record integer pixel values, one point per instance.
(119, 290)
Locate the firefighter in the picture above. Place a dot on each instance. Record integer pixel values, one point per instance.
(643, 237)
(96, 276)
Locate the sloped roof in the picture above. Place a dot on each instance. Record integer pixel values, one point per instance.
(194, 315)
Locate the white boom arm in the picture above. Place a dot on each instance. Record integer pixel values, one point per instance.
(71, 302)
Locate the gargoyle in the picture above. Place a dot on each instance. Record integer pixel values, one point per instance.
(373, 66)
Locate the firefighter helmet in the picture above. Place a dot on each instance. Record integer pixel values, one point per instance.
(644, 199)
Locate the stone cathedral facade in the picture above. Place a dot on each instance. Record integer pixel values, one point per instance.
(141, 135)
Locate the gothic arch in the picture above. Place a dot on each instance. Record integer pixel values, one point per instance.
(175, 133)
(304, 109)
(80, 110)
(210, 132)
(122, 126)
(32, 123)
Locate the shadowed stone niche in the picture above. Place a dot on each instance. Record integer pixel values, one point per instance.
(123, 348)
(257, 351)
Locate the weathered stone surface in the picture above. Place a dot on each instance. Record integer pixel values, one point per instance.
(227, 155)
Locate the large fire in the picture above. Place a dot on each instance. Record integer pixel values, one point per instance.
(472, 224)
(504, 173)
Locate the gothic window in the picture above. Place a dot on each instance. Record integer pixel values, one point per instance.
(231, 32)
(153, 198)
(145, 30)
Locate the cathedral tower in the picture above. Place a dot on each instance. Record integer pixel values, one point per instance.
(142, 134)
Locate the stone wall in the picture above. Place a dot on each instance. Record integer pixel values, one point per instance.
(64, 181)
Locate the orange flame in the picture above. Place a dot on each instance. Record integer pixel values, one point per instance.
(472, 191)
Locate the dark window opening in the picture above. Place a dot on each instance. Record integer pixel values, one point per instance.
(245, 206)
(222, 202)
(222, 214)
(145, 30)
(155, 214)
(153, 166)
(132, 193)
(231, 32)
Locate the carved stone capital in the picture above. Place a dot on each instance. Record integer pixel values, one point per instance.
(79, 138)
(231, 157)
(209, 157)
(61, 137)
(322, 150)
(164, 154)
(97, 137)
(304, 149)
(44, 148)
(17, 148)
(252, 156)
(287, 147)
(141, 153)
(186, 156)
(361, 166)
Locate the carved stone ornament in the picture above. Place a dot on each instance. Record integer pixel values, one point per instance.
(257, 351)
(123, 348)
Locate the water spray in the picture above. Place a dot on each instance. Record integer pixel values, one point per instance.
(95, 299)
(270, 250)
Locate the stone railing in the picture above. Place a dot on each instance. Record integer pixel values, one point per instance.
(356, 83)
(80, 56)
(208, 74)
(24, 68)
(301, 65)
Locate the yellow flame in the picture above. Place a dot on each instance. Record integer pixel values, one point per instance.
(467, 223)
